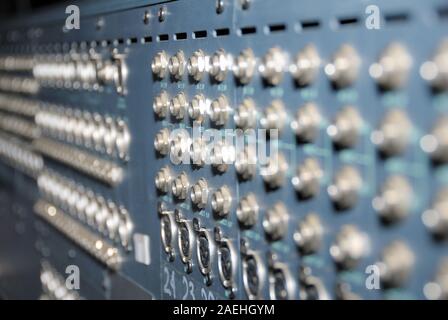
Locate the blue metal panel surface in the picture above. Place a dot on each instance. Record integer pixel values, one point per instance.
(111, 28)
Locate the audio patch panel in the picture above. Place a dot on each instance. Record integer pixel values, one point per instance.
(145, 130)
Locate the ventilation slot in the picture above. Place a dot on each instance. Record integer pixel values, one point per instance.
(180, 36)
(310, 24)
(248, 30)
(222, 32)
(163, 37)
(200, 34)
(396, 18)
(279, 27)
(147, 39)
(348, 21)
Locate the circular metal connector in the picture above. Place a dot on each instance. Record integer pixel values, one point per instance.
(227, 263)
(394, 201)
(222, 201)
(247, 211)
(350, 246)
(205, 251)
(159, 64)
(273, 66)
(436, 218)
(392, 69)
(275, 222)
(168, 231)
(346, 127)
(393, 134)
(435, 144)
(274, 173)
(282, 285)
(185, 241)
(219, 110)
(274, 117)
(197, 65)
(397, 262)
(180, 186)
(198, 107)
(245, 66)
(246, 163)
(254, 274)
(344, 67)
(438, 288)
(246, 115)
(162, 142)
(163, 179)
(179, 106)
(344, 191)
(307, 123)
(435, 71)
(199, 193)
(161, 104)
(220, 63)
(308, 177)
(177, 65)
(306, 65)
(309, 233)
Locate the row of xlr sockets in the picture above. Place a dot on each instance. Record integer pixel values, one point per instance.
(349, 247)
(175, 228)
(393, 203)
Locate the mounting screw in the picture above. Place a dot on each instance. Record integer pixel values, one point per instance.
(188, 268)
(161, 207)
(196, 225)
(232, 293)
(171, 256)
(208, 280)
(271, 257)
(177, 215)
(100, 23)
(245, 4)
(146, 17)
(162, 13)
(219, 6)
(244, 246)
(218, 234)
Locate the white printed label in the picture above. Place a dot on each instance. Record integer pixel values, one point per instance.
(142, 248)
